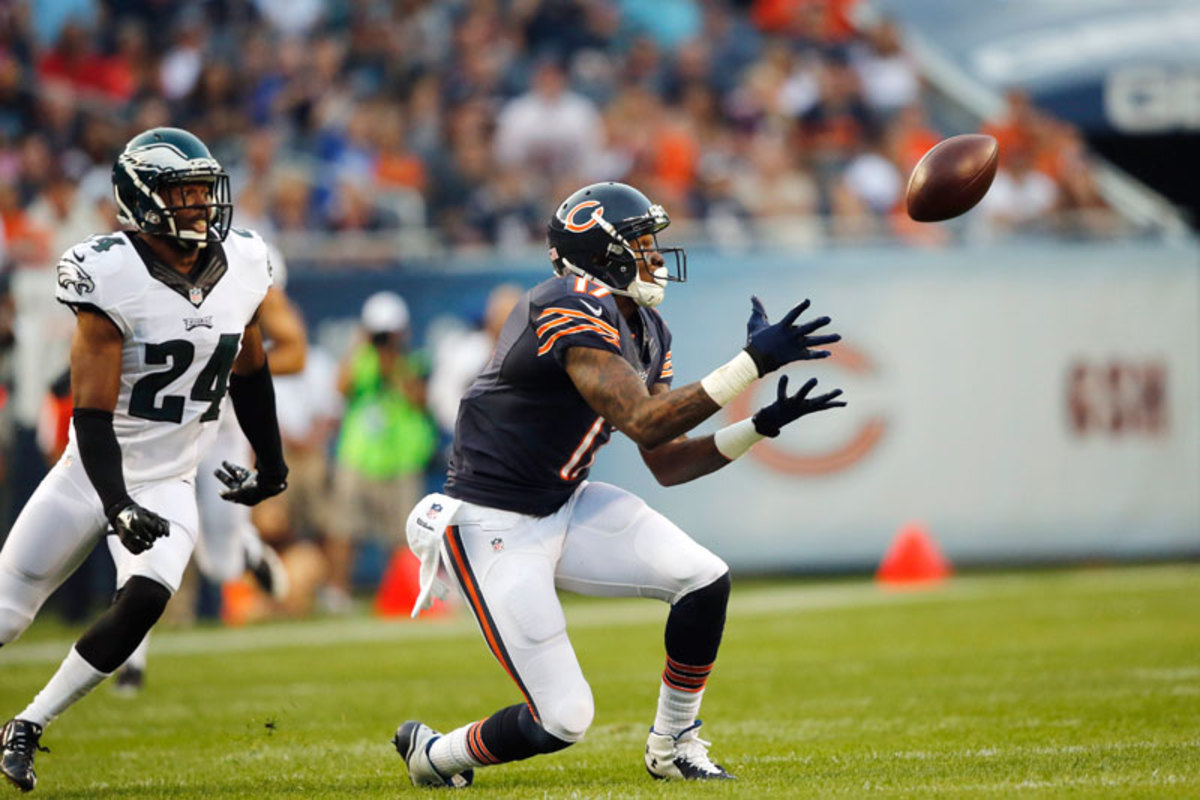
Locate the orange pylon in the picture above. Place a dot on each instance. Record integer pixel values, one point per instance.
(913, 557)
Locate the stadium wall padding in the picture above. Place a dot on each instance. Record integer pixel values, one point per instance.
(1028, 403)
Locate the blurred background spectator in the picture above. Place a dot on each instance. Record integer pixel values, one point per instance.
(461, 354)
(296, 522)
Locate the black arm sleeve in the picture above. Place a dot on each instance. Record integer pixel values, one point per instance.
(101, 456)
(253, 399)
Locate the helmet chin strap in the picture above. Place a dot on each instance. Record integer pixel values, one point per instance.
(192, 242)
(181, 245)
(646, 294)
(185, 240)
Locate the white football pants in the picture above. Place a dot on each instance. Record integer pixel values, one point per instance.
(604, 541)
(64, 520)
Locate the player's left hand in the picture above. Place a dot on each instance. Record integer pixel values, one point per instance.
(246, 487)
(770, 419)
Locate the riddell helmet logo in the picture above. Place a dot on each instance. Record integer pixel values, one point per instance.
(589, 221)
(861, 442)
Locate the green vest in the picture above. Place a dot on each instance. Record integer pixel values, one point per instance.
(383, 434)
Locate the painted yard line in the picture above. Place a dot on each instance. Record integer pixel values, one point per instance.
(770, 601)
(1009, 788)
(1038, 750)
(767, 602)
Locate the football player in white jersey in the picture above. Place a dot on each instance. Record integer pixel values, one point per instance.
(229, 544)
(164, 313)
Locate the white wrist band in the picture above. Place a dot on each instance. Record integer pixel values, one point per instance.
(728, 381)
(734, 440)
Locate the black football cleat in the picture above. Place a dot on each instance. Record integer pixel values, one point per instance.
(20, 742)
(129, 681)
(271, 574)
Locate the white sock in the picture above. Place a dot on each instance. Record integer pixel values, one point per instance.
(451, 755)
(74, 679)
(677, 709)
(137, 660)
(679, 696)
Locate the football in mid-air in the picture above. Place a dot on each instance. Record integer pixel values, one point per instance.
(952, 177)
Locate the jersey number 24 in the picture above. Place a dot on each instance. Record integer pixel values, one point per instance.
(209, 386)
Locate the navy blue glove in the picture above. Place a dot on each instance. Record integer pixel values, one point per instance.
(246, 487)
(770, 419)
(772, 346)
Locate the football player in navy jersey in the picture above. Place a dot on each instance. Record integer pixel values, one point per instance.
(584, 353)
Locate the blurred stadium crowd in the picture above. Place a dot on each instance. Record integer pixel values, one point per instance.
(463, 122)
(404, 127)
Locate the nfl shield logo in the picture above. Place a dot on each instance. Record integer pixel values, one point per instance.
(196, 295)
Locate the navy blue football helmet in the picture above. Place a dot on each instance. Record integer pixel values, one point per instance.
(594, 234)
(156, 159)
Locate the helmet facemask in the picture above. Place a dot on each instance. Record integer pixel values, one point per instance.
(216, 211)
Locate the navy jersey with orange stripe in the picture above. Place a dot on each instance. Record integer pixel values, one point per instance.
(525, 437)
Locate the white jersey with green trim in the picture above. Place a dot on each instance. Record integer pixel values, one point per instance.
(181, 336)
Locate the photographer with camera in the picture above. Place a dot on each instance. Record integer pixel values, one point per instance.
(385, 444)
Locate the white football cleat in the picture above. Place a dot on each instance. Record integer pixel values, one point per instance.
(684, 755)
(412, 741)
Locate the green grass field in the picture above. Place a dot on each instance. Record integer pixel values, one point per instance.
(1081, 683)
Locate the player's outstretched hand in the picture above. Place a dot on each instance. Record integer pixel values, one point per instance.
(770, 419)
(138, 527)
(246, 487)
(772, 346)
